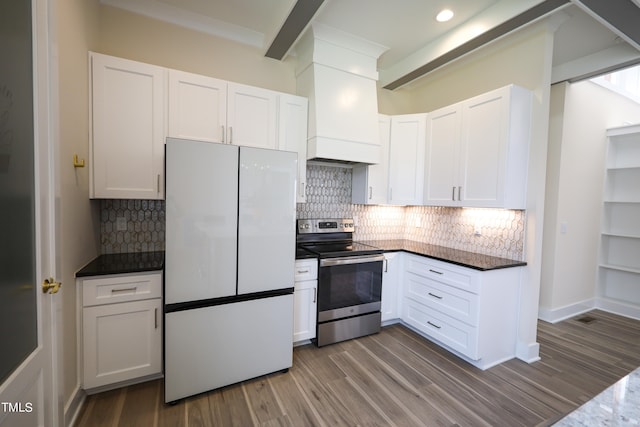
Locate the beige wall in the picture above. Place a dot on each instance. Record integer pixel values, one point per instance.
(79, 238)
(582, 112)
(139, 38)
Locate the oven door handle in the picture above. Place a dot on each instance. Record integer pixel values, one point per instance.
(329, 262)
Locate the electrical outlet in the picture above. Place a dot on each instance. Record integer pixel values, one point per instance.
(477, 230)
(121, 224)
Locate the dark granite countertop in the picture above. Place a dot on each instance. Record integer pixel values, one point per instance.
(134, 262)
(302, 254)
(442, 253)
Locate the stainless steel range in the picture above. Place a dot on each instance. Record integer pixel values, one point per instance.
(349, 279)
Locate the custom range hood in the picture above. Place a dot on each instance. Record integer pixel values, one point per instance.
(337, 72)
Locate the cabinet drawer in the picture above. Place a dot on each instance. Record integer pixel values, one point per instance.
(459, 304)
(306, 269)
(121, 288)
(460, 277)
(457, 335)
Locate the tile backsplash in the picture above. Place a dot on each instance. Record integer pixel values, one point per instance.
(131, 225)
(488, 231)
(499, 232)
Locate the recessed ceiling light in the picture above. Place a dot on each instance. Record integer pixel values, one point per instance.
(444, 15)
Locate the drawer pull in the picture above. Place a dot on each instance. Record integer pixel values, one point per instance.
(434, 325)
(436, 271)
(303, 271)
(114, 291)
(435, 296)
(155, 317)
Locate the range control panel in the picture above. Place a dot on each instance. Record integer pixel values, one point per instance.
(307, 226)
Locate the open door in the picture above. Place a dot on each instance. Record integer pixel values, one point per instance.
(28, 385)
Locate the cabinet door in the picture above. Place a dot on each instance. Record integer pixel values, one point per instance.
(483, 149)
(251, 116)
(370, 183)
(127, 129)
(391, 286)
(441, 159)
(406, 159)
(304, 310)
(121, 341)
(197, 107)
(292, 135)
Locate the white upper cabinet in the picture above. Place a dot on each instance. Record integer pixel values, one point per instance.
(207, 109)
(370, 183)
(477, 151)
(442, 154)
(406, 159)
(127, 135)
(251, 116)
(292, 135)
(197, 107)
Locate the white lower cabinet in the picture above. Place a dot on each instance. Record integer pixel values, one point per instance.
(305, 300)
(470, 312)
(391, 286)
(121, 329)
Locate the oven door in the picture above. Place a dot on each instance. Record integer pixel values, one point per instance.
(349, 286)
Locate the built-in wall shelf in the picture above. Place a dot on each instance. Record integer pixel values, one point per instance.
(619, 268)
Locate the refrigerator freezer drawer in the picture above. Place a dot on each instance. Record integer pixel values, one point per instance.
(211, 347)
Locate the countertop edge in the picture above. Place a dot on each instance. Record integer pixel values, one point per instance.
(123, 263)
(427, 250)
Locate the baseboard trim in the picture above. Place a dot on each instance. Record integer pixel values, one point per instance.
(528, 352)
(620, 308)
(563, 313)
(73, 406)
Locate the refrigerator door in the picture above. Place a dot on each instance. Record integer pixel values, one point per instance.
(266, 220)
(201, 220)
(212, 347)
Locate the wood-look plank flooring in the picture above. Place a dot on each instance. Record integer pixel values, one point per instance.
(397, 378)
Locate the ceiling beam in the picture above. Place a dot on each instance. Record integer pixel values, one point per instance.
(492, 34)
(620, 16)
(298, 19)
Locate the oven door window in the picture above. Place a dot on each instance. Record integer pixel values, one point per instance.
(348, 285)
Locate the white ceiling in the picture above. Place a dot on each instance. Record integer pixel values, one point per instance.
(406, 27)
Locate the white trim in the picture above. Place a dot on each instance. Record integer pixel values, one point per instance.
(528, 352)
(556, 315)
(618, 307)
(611, 306)
(73, 406)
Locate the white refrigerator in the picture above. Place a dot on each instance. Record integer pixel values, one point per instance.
(229, 264)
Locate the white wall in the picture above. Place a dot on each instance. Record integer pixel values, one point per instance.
(581, 113)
